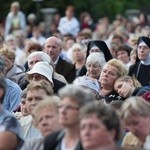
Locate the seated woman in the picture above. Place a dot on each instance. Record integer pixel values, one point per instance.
(99, 127)
(127, 86)
(78, 53)
(14, 72)
(45, 118)
(112, 70)
(94, 65)
(89, 83)
(135, 114)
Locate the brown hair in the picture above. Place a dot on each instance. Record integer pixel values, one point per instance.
(44, 85)
(34, 47)
(105, 113)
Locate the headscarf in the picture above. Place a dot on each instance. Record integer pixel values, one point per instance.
(102, 46)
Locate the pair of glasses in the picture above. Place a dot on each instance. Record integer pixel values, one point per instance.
(68, 107)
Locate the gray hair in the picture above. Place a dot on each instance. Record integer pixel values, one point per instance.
(79, 94)
(58, 40)
(96, 58)
(42, 55)
(134, 106)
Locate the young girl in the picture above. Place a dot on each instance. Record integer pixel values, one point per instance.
(127, 86)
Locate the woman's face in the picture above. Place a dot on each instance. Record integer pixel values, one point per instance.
(108, 75)
(93, 70)
(124, 88)
(123, 56)
(139, 126)
(94, 134)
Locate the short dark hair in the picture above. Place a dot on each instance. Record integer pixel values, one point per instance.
(124, 47)
(105, 113)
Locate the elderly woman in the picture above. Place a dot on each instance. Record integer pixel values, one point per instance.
(99, 127)
(112, 70)
(14, 72)
(45, 62)
(72, 99)
(39, 56)
(44, 71)
(89, 83)
(78, 53)
(136, 117)
(94, 65)
(45, 118)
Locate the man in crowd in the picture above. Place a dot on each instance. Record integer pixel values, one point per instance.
(52, 47)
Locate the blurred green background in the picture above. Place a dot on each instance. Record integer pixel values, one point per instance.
(97, 8)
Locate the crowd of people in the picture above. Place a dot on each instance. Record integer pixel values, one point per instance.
(80, 86)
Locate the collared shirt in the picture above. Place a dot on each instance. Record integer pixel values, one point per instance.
(12, 97)
(56, 61)
(29, 131)
(69, 26)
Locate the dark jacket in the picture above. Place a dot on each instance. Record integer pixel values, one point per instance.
(53, 141)
(140, 91)
(141, 73)
(66, 69)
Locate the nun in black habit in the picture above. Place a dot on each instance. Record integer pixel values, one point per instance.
(99, 46)
(141, 69)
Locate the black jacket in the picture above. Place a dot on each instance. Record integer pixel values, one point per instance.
(53, 141)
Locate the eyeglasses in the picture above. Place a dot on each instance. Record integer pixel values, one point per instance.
(35, 77)
(68, 107)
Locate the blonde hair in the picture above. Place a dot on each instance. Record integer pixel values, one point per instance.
(44, 85)
(122, 70)
(134, 106)
(10, 54)
(50, 102)
(136, 83)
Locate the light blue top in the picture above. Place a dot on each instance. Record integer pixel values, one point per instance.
(12, 97)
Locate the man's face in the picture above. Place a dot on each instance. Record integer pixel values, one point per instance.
(47, 120)
(52, 48)
(33, 98)
(143, 52)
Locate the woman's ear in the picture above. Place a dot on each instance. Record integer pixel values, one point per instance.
(130, 81)
(113, 134)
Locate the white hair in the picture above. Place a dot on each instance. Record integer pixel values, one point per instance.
(96, 58)
(42, 55)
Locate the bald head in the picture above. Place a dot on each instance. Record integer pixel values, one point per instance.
(5, 138)
(53, 46)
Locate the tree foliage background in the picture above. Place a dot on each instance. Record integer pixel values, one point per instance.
(97, 8)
